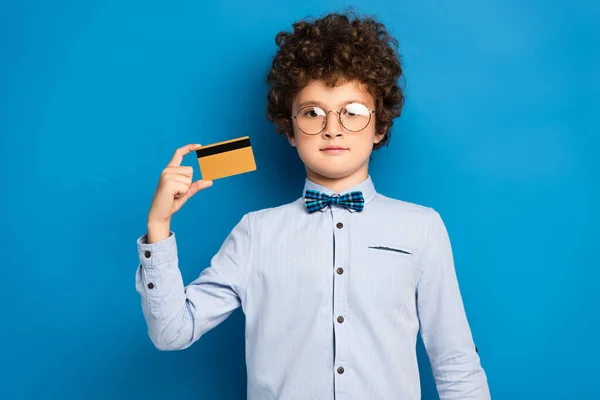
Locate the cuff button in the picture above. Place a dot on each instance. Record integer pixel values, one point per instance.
(147, 254)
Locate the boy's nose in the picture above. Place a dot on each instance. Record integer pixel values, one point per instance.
(333, 127)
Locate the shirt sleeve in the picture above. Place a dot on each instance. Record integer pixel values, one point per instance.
(444, 327)
(178, 315)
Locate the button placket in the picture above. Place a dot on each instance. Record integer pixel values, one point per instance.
(341, 249)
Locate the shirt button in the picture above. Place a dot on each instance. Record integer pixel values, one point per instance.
(340, 271)
(340, 319)
(340, 370)
(339, 225)
(147, 254)
(150, 285)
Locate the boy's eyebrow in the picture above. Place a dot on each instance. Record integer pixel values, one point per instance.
(318, 103)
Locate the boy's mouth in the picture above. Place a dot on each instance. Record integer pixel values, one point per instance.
(333, 149)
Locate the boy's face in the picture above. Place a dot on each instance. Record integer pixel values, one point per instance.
(349, 163)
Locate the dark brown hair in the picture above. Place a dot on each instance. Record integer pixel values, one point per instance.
(336, 48)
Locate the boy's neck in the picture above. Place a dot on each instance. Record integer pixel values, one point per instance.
(338, 185)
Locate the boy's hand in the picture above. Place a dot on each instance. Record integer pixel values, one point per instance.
(174, 188)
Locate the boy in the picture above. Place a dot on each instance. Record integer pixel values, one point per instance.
(336, 284)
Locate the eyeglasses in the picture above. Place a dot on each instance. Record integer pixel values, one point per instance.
(312, 120)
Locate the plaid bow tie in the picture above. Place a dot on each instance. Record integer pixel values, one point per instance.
(315, 200)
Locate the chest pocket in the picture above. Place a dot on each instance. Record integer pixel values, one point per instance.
(401, 251)
(391, 273)
(389, 255)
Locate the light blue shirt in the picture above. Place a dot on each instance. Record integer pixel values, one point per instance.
(333, 301)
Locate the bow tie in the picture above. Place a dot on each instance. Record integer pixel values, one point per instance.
(315, 200)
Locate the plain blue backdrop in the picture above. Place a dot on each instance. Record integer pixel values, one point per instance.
(499, 134)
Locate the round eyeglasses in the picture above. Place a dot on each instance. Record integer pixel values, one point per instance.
(312, 120)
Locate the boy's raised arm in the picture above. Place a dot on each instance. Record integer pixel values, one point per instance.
(178, 315)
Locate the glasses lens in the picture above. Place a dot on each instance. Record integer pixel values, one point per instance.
(355, 117)
(311, 119)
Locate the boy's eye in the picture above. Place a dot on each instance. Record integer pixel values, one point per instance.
(313, 112)
(356, 109)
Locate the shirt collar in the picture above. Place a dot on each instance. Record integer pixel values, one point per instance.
(366, 187)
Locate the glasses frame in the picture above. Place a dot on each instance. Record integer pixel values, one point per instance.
(339, 113)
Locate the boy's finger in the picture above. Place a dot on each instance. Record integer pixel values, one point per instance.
(198, 186)
(180, 153)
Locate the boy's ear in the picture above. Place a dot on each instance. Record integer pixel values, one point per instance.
(379, 137)
(291, 138)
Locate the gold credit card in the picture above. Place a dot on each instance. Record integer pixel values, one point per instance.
(231, 157)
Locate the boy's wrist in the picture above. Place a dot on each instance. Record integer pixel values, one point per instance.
(158, 230)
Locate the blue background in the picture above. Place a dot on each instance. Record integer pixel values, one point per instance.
(499, 134)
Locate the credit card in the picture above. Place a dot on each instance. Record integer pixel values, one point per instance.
(228, 158)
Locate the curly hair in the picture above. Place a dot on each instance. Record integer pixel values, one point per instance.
(335, 49)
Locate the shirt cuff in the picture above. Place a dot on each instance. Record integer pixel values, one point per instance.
(153, 254)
